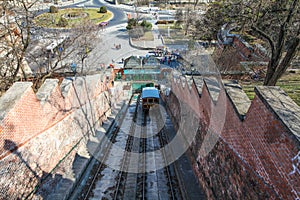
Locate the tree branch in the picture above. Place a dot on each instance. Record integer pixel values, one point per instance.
(285, 61)
(266, 36)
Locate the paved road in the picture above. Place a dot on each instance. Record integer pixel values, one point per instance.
(105, 52)
(118, 11)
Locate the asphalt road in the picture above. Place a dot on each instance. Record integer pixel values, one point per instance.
(119, 16)
(104, 53)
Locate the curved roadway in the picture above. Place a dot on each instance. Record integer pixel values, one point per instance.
(118, 12)
(114, 34)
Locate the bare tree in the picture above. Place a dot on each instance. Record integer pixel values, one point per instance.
(73, 47)
(276, 22)
(179, 15)
(85, 40)
(18, 45)
(187, 20)
(137, 32)
(15, 25)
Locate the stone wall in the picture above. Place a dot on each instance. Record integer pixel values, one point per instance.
(242, 149)
(229, 58)
(43, 134)
(247, 52)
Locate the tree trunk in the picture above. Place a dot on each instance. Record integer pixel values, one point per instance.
(270, 72)
(40, 80)
(276, 56)
(274, 75)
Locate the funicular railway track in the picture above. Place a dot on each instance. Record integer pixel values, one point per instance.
(144, 174)
(161, 183)
(175, 189)
(90, 189)
(135, 182)
(131, 141)
(100, 167)
(141, 177)
(155, 184)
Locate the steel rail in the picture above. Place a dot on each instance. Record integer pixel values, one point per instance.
(144, 174)
(101, 165)
(128, 148)
(113, 136)
(162, 143)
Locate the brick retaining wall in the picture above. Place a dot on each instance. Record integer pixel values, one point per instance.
(255, 152)
(43, 133)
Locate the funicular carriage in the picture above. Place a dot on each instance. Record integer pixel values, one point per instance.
(150, 97)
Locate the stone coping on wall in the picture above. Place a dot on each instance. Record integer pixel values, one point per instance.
(11, 97)
(46, 90)
(237, 97)
(275, 98)
(282, 105)
(24, 114)
(212, 83)
(198, 81)
(189, 80)
(87, 83)
(213, 86)
(65, 86)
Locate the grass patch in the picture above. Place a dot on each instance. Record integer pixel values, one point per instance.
(148, 36)
(172, 26)
(51, 19)
(173, 35)
(290, 83)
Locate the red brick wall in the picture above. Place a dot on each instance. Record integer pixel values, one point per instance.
(252, 158)
(54, 109)
(224, 175)
(242, 48)
(268, 147)
(22, 122)
(29, 117)
(41, 135)
(247, 53)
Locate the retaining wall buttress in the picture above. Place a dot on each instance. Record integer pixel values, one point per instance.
(242, 149)
(44, 137)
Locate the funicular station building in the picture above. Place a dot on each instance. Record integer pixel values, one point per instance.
(141, 72)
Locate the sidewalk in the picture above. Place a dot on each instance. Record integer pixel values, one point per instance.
(141, 44)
